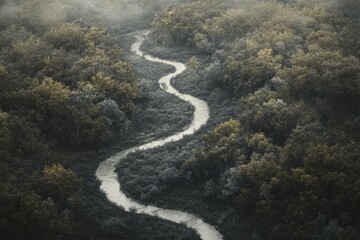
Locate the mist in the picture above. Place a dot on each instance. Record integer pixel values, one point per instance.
(48, 13)
(113, 12)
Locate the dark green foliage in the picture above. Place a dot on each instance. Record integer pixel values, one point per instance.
(62, 85)
(288, 162)
(291, 165)
(58, 83)
(31, 212)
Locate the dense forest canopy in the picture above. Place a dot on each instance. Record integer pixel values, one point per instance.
(64, 84)
(289, 161)
(66, 93)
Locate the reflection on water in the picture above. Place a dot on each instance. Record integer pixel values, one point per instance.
(106, 171)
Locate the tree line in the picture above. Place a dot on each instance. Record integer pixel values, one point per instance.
(64, 85)
(289, 161)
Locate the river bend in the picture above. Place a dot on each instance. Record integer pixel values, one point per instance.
(106, 173)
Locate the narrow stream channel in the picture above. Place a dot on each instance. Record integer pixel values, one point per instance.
(106, 171)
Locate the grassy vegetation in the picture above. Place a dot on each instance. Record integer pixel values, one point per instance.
(156, 177)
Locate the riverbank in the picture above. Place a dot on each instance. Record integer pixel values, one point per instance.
(107, 221)
(100, 218)
(152, 176)
(106, 170)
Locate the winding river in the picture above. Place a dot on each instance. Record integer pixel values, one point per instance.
(106, 173)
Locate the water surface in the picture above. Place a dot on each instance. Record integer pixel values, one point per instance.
(106, 173)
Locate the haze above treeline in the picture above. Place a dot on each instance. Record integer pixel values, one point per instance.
(55, 12)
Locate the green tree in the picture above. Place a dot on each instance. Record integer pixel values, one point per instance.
(58, 183)
(222, 148)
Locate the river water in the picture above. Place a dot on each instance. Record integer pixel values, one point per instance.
(106, 173)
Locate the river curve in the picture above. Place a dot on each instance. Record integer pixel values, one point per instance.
(106, 173)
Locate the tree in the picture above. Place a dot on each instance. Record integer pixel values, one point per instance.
(58, 183)
(28, 56)
(324, 74)
(193, 63)
(68, 37)
(222, 148)
(114, 117)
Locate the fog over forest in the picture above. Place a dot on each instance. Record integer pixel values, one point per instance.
(278, 157)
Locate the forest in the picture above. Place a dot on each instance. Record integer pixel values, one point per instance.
(289, 160)
(278, 159)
